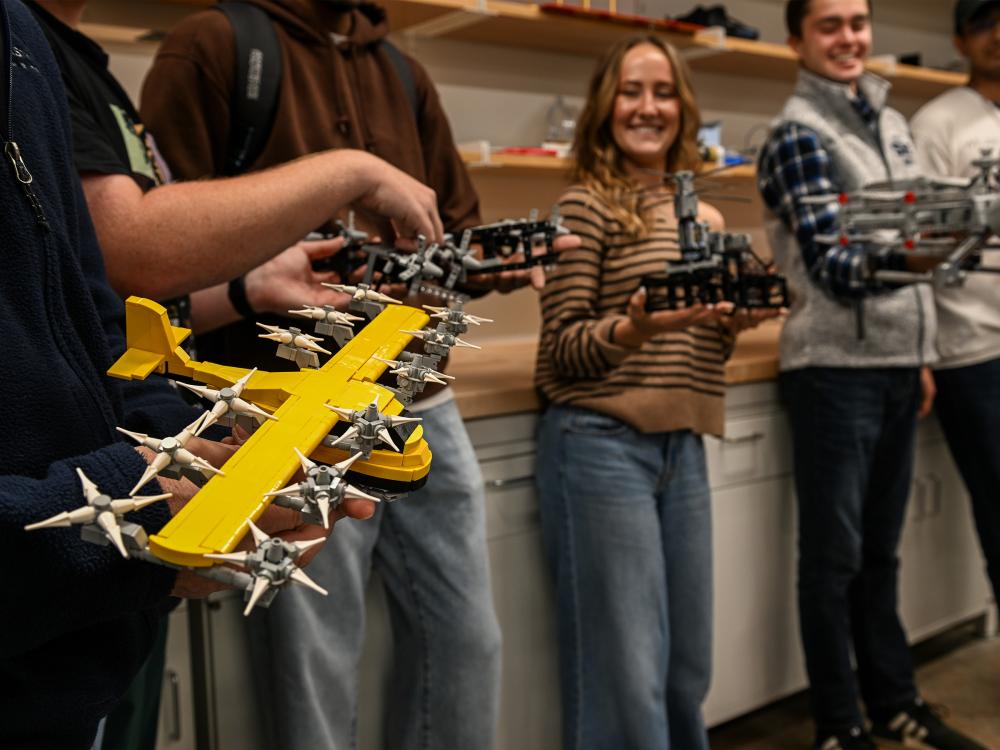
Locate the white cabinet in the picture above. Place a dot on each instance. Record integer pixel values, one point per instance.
(942, 576)
(209, 701)
(176, 730)
(756, 653)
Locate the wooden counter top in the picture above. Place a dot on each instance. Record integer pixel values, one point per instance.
(498, 379)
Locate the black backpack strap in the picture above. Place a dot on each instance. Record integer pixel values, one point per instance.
(405, 73)
(256, 85)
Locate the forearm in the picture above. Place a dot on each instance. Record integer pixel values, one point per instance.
(187, 236)
(211, 309)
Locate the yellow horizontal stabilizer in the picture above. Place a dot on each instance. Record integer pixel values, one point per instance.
(135, 364)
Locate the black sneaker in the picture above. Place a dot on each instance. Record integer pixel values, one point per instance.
(920, 726)
(855, 738)
(716, 15)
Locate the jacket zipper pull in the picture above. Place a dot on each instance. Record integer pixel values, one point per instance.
(24, 177)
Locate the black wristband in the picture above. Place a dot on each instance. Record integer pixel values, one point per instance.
(238, 298)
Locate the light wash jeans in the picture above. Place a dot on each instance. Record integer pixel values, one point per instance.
(626, 519)
(430, 550)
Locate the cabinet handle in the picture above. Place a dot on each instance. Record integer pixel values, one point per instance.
(937, 494)
(506, 484)
(918, 500)
(753, 437)
(174, 733)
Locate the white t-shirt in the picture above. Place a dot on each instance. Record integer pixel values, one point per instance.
(950, 131)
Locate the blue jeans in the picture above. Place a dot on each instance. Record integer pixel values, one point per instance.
(853, 433)
(430, 550)
(626, 519)
(968, 405)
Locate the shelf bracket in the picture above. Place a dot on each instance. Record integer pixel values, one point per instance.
(448, 23)
(710, 42)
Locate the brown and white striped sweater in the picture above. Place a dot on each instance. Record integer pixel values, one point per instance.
(675, 381)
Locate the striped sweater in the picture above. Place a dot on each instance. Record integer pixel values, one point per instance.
(675, 381)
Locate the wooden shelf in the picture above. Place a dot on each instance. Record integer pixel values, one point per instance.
(515, 24)
(525, 25)
(105, 34)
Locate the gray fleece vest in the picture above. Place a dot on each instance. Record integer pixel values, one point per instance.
(821, 331)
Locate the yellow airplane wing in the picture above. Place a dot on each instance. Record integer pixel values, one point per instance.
(216, 518)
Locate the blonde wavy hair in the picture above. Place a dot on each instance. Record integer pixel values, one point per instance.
(599, 162)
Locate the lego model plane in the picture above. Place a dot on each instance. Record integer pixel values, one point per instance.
(443, 268)
(334, 423)
(944, 219)
(714, 266)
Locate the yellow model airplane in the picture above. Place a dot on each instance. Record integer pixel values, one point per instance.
(299, 410)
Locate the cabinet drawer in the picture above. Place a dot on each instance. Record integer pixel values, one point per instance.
(511, 508)
(516, 428)
(754, 448)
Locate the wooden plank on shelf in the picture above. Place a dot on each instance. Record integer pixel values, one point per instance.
(105, 33)
(515, 24)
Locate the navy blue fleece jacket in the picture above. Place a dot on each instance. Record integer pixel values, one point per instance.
(77, 619)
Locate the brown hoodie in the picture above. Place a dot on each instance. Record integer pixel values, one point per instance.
(333, 95)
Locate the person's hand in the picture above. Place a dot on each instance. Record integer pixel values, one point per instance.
(288, 280)
(928, 391)
(409, 204)
(284, 523)
(642, 325)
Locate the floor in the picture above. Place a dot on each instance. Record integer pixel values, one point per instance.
(958, 670)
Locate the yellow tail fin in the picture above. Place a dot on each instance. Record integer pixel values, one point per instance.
(153, 344)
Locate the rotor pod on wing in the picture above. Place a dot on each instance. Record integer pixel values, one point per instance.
(102, 516)
(271, 565)
(172, 459)
(227, 402)
(323, 490)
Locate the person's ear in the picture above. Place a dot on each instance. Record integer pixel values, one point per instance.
(960, 45)
(795, 42)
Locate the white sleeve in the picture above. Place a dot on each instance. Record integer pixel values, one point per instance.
(931, 134)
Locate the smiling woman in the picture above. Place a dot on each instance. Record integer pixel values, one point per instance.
(623, 487)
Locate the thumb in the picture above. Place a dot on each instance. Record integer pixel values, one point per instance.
(319, 249)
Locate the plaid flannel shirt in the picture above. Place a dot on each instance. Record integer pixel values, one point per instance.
(793, 165)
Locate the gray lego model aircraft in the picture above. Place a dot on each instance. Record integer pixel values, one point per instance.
(948, 220)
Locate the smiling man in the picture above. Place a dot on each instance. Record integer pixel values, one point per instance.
(951, 132)
(853, 400)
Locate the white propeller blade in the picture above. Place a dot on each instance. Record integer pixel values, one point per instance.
(348, 462)
(299, 576)
(85, 514)
(385, 437)
(90, 490)
(258, 536)
(260, 585)
(240, 558)
(465, 344)
(349, 434)
(203, 391)
(301, 547)
(343, 288)
(306, 462)
(345, 414)
(127, 505)
(290, 491)
(323, 506)
(355, 494)
(112, 530)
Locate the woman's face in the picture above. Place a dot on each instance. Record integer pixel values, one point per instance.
(647, 113)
